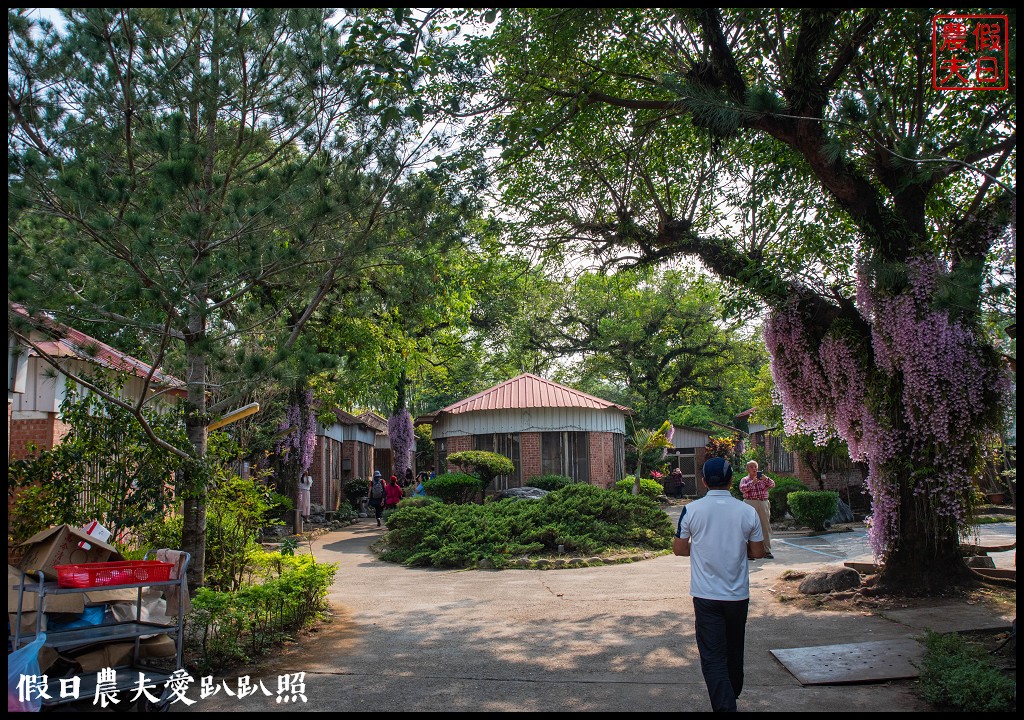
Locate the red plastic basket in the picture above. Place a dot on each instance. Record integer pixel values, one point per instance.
(127, 572)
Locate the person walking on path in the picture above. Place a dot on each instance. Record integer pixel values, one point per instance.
(394, 493)
(378, 495)
(305, 483)
(755, 487)
(719, 533)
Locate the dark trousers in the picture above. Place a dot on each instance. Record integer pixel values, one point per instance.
(378, 508)
(720, 626)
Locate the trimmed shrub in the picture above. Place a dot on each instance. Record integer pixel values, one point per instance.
(486, 465)
(550, 482)
(651, 489)
(288, 593)
(779, 495)
(453, 487)
(813, 508)
(417, 501)
(958, 675)
(580, 517)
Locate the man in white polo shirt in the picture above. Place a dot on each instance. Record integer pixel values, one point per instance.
(719, 533)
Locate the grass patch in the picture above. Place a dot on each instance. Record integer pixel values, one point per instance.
(582, 519)
(961, 675)
(991, 519)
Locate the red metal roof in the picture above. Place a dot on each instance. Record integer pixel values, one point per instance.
(530, 391)
(69, 342)
(374, 420)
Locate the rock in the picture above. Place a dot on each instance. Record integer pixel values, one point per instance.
(561, 562)
(596, 560)
(829, 580)
(316, 519)
(275, 531)
(980, 561)
(485, 564)
(316, 509)
(523, 493)
(523, 562)
(543, 564)
(363, 515)
(843, 513)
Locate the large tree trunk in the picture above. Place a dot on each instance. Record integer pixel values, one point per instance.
(923, 561)
(193, 532)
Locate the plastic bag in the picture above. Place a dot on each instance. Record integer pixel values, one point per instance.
(21, 662)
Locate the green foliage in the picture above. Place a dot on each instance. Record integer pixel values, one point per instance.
(454, 487)
(355, 489)
(486, 465)
(417, 501)
(779, 495)
(813, 508)
(650, 446)
(550, 482)
(580, 517)
(650, 489)
(287, 593)
(959, 676)
(424, 446)
(237, 510)
(104, 469)
(723, 447)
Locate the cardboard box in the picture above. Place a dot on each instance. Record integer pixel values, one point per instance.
(159, 646)
(60, 546)
(72, 603)
(111, 655)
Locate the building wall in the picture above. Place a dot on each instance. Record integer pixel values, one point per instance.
(484, 422)
(529, 455)
(45, 430)
(602, 459)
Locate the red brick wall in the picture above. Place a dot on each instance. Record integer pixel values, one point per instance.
(529, 455)
(44, 432)
(699, 458)
(459, 443)
(317, 471)
(602, 459)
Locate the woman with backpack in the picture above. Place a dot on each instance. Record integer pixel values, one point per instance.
(378, 495)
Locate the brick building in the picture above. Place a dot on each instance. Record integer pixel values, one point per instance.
(35, 389)
(543, 427)
(343, 452)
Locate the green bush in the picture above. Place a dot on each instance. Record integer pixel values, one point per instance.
(813, 508)
(779, 495)
(957, 675)
(454, 487)
(287, 593)
(648, 488)
(550, 482)
(417, 501)
(355, 489)
(486, 465)
(580, 517)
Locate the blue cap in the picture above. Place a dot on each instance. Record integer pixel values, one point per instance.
(717, 471)
(376, 473)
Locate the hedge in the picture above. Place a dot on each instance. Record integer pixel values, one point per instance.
(550, 482)
(454, 487)
(813, 508)
(580, 517)
(778, 495)
(648, 488)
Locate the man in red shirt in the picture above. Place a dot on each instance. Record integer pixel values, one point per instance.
(755, 487)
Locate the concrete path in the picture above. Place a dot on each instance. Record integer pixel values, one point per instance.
(613, 638)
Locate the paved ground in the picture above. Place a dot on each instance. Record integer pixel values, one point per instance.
(614, 638)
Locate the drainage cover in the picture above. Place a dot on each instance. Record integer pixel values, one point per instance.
(853, 662)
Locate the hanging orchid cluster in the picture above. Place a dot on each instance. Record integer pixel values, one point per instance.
(400, 433)
(931, 388)
(300, 441)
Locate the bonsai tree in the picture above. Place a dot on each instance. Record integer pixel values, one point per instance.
(485, 465)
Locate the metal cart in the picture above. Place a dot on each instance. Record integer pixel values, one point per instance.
(127, 675)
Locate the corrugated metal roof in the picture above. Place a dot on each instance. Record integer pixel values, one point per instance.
(74, 343)
(374, 420)
(529, 391)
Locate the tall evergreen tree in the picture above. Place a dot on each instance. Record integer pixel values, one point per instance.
(190, 177)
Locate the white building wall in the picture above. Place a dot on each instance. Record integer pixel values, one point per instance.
(686, 438)
(483, 422)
